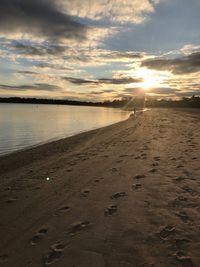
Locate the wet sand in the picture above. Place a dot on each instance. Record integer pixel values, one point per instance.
(127, 195)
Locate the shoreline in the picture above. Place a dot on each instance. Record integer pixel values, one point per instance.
(54, 140)
(55, 146)
(58, 135)
(57, 139)
(123, 195)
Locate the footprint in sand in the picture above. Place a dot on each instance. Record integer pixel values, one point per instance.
(184, 260)
(189, 190)
(78, 227)
(11, 200)
(181, 244)
(136, 186)
(8, 188)
(38, 236)
(85, 192)
(173, 159)
(139, 176)
(55, 253)
(118, 195)
(137, 157)
(110, 210)
(114, 169)
(155, 164)
(62, 210)
(37, 188)
(119, 161)
(179, 179)
(178, 202)
(194, 158)
(58, 246)
(166, 232)
(72, 163)
(179, 166)
(123, 156)
(157, 158)
(182, 198)
(98, 179)
(184, 217)
(153, 170)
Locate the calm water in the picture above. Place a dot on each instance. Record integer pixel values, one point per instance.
(23, 125)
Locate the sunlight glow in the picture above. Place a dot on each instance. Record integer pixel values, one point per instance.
(149, 83)
(151, 78)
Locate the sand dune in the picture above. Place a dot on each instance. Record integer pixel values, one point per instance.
(127, 195)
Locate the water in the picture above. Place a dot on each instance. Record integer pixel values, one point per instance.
(25, 125)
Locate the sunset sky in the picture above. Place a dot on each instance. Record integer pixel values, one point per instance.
(99, 50)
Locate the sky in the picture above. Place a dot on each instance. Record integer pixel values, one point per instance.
(99, 50)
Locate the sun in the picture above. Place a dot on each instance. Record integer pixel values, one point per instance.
(151, 79)
(149, 83)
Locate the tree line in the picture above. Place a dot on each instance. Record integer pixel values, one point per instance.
(126, 102)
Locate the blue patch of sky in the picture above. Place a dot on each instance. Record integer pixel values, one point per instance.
(174, 24)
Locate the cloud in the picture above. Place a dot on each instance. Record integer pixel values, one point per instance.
(38, 17)
(36, 86)
(38, 49)
(70, 19)
(189, 93)
(114, 11)
(45, 65)
(26, 72)
(190, 48)
(134, 91)
(163, 91)
(183, 65)
(101, 81)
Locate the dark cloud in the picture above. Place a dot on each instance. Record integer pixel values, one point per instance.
(102, 92)
(26, 72)
(117, 55)
(37, 50)
(115, 81)
(53, 66)
(189, 93)
(123, 80)
(39, 17)
(96, 92)
(36, 86)
(80, 81)
(183, 65)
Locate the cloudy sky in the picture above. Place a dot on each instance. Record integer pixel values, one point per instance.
(99, 50)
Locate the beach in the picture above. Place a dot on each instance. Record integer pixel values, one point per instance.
(126, 195)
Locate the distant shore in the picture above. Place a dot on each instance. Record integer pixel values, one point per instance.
(122, 195)
(125, 102)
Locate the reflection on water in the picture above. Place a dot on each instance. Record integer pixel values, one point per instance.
(23, 125)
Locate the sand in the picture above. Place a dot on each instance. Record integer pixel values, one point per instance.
(127, 195)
